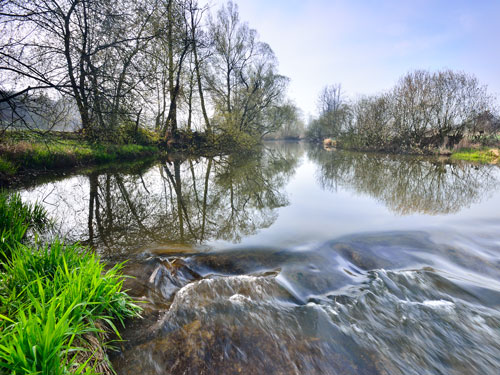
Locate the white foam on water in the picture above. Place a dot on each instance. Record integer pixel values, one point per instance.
(239, 299)
(439, 304)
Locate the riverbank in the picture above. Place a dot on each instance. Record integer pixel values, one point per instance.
(29, 154)
(25, 155)
(484, 155)
(58, 304)
(474, 153)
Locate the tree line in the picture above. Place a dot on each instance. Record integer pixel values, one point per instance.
(170, 66)
(425, 110)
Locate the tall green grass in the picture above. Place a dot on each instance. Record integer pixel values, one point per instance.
(57, 302)
(16, 217)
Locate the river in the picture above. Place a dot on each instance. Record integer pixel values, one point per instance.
(296, 260)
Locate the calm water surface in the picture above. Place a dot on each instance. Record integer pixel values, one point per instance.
(297, 260)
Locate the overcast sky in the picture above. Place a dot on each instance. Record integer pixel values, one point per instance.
(367, 45)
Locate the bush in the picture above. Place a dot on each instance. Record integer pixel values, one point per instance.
(129, 133)
(236, 140)
(6, 167)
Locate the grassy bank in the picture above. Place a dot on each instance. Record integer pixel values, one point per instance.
(23, 155)
(57, 304)
(483, 155)
(486, 151)
(23, 151)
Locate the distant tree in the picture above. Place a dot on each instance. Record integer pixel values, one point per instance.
(333, 113)
(38, 113)
(372, 119)
(424, 110)
(242, 75)
(331, 105)
(431, 108)
(287, 120)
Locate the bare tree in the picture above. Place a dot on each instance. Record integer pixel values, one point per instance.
(76, 47)
(436, 108)
(196, 15)
(424, 110)
(242, 78)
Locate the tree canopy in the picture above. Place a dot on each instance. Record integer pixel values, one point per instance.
(165, 65)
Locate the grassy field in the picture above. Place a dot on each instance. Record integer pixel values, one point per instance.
(19, 153)
(484, 155)
(57, 303)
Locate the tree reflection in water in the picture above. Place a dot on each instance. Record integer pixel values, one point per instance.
(406, 184)
(182, 201)
(179, 201)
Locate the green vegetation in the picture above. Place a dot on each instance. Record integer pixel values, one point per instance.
(6, 167)
(55, 151)
(16, 218)
(485, 155)
(57, 304)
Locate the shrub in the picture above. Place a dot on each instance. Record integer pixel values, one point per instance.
(129, 133)
(7, 167)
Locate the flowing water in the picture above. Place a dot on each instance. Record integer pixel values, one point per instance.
(297, 260)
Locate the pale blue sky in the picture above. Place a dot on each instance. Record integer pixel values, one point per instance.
(367, 45)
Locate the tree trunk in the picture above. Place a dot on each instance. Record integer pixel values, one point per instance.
(197, 69)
